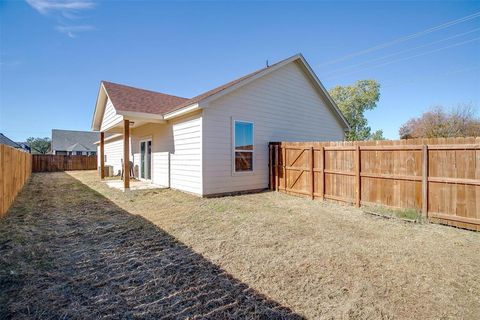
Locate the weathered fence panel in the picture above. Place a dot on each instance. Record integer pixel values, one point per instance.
(15, 169)
(439, 177)
(51, 163)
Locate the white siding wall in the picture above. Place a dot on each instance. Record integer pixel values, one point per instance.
(186, 161)
(283, 105)
(181, 141)
(110, 117)
(161, 168)
(114, 153)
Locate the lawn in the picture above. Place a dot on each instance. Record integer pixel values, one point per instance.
(72, 247)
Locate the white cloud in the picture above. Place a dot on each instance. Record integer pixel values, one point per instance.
(64, 11)
(71, 31)
(65, 6)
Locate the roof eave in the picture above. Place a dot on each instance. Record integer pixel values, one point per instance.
(182, 111)
(97, 124)
(329, 99)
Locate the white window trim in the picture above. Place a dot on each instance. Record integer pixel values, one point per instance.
(145, 139)
(242, 173)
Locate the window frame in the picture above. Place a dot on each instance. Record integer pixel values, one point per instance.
(234, 150)
(145, 139)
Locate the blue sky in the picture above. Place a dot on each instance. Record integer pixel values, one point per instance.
(54, 53)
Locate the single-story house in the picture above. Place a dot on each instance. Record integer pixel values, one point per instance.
(17, 145)
(70, 142)
(217, 142)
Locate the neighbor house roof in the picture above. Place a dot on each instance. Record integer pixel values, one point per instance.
(69, 140)
(7, 141)
(130, 99)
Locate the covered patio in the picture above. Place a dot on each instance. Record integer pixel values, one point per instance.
(134, 185)
(134, 130)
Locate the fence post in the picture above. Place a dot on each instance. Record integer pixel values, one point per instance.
(284, 170)
(276, 168)
(312, 174)
(358, 182)
(425, 181)
(270, 167)
(322, 167)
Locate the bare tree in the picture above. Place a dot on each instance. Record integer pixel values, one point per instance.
(438, 123)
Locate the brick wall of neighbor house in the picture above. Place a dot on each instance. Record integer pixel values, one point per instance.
(283, 105)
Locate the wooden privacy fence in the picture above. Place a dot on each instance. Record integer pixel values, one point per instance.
(15, 169)
(439, 177)
(50, 163)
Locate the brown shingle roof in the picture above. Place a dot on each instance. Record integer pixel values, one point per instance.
(209, 93)
(128, 98)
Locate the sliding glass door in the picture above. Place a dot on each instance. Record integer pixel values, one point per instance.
(146, 159)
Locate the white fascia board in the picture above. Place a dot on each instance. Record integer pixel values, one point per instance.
(325, 92)
(144, 116)
(181, 111)
(96, 124)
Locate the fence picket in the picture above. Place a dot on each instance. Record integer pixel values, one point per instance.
(15, 169)
(438, 177)
(51, 163)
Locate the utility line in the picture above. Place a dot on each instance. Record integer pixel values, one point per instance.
(436, 75)
(401, 39)
(406, 58)
(401, 52)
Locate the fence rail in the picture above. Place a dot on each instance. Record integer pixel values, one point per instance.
(15, 169)
(439, 177)
(50, 163)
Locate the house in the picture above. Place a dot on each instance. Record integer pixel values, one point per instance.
(217, 142)
(25, 146)
(69, 142)
(17, 145)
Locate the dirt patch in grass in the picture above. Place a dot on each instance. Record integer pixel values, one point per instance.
(66, 252)
(321, 260)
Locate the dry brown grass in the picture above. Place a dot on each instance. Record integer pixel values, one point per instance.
(66, 252)
(321, 260)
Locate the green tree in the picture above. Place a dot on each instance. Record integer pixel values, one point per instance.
(39, 145)
(353, 101)
(377, 135)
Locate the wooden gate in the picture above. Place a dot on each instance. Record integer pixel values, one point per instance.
(439, 177)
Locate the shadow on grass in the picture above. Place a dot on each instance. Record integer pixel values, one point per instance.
(66, 251)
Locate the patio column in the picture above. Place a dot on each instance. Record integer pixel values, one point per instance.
(102, 155)
(126, 154)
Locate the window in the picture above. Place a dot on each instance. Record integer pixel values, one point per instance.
(243, 146)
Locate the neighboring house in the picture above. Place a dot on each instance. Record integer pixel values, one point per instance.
(9, 142)
(69, 142)
(25, 146)
(217, 142)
